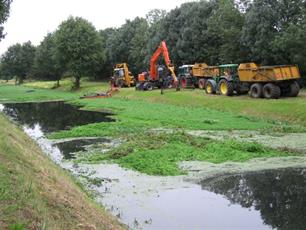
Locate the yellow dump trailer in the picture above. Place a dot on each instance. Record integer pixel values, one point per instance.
(203, 70)
(250, 72)
(270, 81)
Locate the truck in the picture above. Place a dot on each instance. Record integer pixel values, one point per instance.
(269, 82)
(159, 76)
(122, 77)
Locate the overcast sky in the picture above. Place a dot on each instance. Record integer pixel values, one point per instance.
(33, 19)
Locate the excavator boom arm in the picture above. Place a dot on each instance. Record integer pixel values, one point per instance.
(161, 50)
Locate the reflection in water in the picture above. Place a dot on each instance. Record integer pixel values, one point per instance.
(53, 116)
(69, 148)
(279, 195)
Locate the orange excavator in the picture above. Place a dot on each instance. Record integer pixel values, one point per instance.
(159, 75)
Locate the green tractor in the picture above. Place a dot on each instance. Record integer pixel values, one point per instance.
(226, 82)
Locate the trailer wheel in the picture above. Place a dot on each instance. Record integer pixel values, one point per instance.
(226, 87)
(210, 87)
(256, 90)
(294, 89)
(271, 91)
(201, 83)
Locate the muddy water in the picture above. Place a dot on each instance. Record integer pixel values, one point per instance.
(152, 202)
(271, 199)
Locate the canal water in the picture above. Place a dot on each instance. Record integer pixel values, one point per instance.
(271, 199)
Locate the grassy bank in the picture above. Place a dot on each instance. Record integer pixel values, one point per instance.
(36, 194)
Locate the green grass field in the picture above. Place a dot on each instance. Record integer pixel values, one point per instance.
(138, 113)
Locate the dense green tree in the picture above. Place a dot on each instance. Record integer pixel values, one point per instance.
(18, 60)
(106, 68)
(4, 74)
(155, 16)
(80, 46)
(47, 62)
(4, 13)
(185, 31)
(260, 28)
(225, 25)
(128, 44)
(267, 27)
(289, 43)
(138, 51)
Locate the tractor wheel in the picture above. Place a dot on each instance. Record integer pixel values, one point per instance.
(226, 87)
(201, 83)
(210, 87)
(256, 90)
(294, 89)
(148, 86)
(183, 83)
(271, 91)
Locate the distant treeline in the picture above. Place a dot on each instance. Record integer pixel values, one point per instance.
(267, 32)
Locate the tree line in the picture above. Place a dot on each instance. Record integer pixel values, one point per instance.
(268, 32)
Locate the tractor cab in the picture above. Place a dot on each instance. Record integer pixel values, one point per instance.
(229, 71)
(185, 70)
(185, 76)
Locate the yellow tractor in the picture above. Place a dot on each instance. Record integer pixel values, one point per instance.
(122, 77)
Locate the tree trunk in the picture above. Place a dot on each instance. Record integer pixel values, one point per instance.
(77, 82)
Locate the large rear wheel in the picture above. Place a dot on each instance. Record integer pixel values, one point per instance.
(210, 87)
(294, 89)
(226, 87)
(271, 91)
(256, 90)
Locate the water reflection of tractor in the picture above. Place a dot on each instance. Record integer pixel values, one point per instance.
(261, 81)
(160, 76)
(122, 77)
